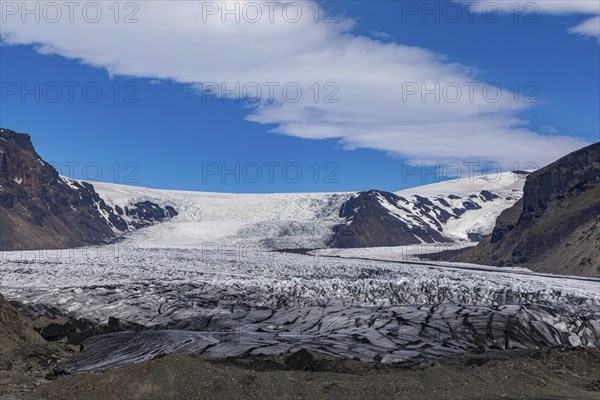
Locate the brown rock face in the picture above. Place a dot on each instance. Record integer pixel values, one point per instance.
(38, 210)
(24, 356)
(41, 210)
(556, 226)
(15, 329)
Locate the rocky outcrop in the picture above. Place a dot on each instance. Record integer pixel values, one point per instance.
(55, 325)
(556, 225)
(39, 209)
(25, 357)
(369, 223)
(144, 212)
(376, 218)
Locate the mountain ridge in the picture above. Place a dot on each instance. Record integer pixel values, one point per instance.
(428, 214)
(555, 227)
(39, 209)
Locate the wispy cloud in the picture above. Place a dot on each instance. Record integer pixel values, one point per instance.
(400, 99)
(549, 129)
(589, 27)
(383, 35)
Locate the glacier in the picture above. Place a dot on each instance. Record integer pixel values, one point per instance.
(211, 281)
(236, 303)
(306, 220)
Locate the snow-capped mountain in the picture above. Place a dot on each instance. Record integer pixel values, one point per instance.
(191, 284)
(39, 209)
(459, 210)
(467, 208)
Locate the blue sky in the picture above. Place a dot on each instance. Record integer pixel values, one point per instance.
(156, 129)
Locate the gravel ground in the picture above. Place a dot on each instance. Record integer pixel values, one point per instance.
(539, 374)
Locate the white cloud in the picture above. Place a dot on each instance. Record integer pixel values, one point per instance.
(549, 129)
(175, 40)
(383, 35)
(527, 8)
(589, 27)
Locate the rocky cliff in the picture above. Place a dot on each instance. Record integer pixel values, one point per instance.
(555, 227)
(25, 357)
(41, 210)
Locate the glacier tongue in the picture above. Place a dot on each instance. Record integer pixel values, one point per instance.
(269, 220)
(235, 303)
(399, 334)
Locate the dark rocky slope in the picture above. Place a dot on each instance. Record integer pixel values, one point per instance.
(25, 357)
(555, 227)
(370, 224)
(41, 210)
(376, 218)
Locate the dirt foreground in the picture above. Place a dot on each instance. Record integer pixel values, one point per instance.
(540, 374)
